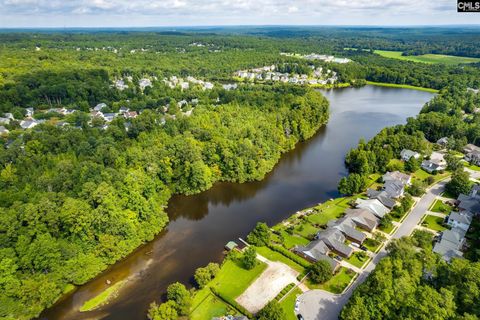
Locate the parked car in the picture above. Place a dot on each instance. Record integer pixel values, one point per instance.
(356, 245)
(300, 317)
(363, 248)
(296, 305)
(338, 258)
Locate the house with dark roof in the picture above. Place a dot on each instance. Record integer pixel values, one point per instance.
(363, 218)
(469, 148)
(432, 166)
(315, 251)
(381, 196)
(469, 203)
(473, 157)
(347, 226)
(394, 188)
(442, 141)
(335, 241)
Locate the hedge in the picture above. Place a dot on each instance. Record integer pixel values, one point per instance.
(232, 302)
(290, 255)
(284, 291)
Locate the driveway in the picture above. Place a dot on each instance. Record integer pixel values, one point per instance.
(323, 305)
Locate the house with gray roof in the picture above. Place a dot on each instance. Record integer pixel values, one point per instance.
(431, 166)
(442, 141)
(473, 157)
(315, 251)
(347, 226)
(335, 241)
(406, 179)
(363, 218)
(461, 220)
(28, 124)
(450, 244)
(469, 203)
(381, 196)
(3, 130)
(100, 106)
(406, 154)
(469, 148)
(373, 205)
(394, 188)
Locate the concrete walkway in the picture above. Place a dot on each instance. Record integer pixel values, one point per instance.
(323, 305)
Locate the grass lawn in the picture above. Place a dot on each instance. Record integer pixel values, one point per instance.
(388, 229)
(421, 175)
(433, 222)
(102, 298)
(330, 210)
(356, 260)
(233, 279)
(439, 206)
(338, 282)
(275, 256)
(372, 244)
(206, 306)
(372, 180)
(305, 229)
(472, 167)
(288, 304)
(290, 240)
(428, 58)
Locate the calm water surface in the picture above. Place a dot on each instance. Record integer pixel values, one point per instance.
(200, 225)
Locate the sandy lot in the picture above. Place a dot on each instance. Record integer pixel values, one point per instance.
(276, 277)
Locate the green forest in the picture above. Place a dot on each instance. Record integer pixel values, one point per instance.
(75, 199)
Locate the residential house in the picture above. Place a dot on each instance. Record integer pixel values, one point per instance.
(208, 85)
(28, 124)
(3, 130)
(315, 251)
(123, 110)
(450, 243)
(109, 116)
(4, 120)
(442, 142)
(469, 148)
(432, 166)
(473, 157)
(381, 196)
(373, 205)
(335, 241)
(363, 218)
(143, 83)
(29, 112)
(99, 107)
(347, 226)
(394, 188)
(130, 114)
(406, 154)
(9, 116)
(397, 175)
(470, 203)
(461, 220)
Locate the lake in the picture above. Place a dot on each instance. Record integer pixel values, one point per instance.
(200, 225)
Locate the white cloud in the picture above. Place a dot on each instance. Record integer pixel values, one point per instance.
(173, 12)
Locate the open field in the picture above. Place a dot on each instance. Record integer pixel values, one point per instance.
(401, 86)
(208, 306)
(427, 58)
(275, 256)
(266, 287)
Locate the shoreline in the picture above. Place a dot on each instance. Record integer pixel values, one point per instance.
(401, 86)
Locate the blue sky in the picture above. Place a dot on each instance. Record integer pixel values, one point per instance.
(138, 13)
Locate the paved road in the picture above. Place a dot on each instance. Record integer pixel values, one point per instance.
(323, 305)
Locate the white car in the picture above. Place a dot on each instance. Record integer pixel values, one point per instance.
(296, 305)
(356, 245)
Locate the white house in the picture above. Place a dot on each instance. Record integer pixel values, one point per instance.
(100, 106)
(373, 205)
(461, 220)
(406, 154)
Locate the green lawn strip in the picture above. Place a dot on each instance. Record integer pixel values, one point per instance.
(401, 86)
(356, 261)
(387, 230)
(233, 279)
(288, 304)
(290, 240)
(433, 223)
(439, 206)
(275, 256)
(372, 244)
(337, 284)
(473, 167)
(211, 306)
(427, 58)
(103, 298)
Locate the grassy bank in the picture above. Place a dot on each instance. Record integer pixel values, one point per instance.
(102, 298)
(402, 86)
(427, 58)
